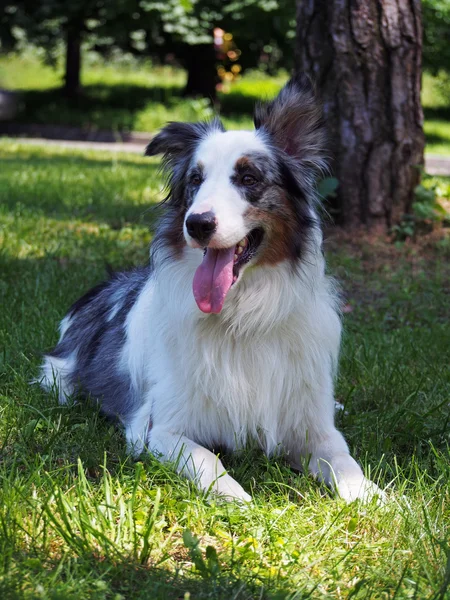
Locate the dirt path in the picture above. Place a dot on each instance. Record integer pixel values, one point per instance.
(435, 164)
(135, 148)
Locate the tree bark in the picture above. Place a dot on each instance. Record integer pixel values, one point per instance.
(73, 61)
(365, 58)
(200, 63)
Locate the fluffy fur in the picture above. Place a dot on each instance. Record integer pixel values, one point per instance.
(232, 333)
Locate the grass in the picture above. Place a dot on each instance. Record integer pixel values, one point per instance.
(79, 519)
(123, 97)
(130, 96)
(436, 107)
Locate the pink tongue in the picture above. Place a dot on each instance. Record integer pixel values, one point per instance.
(213, 279)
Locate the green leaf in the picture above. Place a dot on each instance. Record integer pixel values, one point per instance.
(327, 187)
(29, 428)
(186, 4)
(213, 560)
(424, 194)
(352, 524)
(189, 540)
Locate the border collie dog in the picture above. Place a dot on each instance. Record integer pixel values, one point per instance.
(232, 332)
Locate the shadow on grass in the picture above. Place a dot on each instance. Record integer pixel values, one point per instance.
(101, 203)
(116, 107)
(440, 113)
(72, 156)
(237, 104)
(434, 138)
(126, 578)
(113, 107)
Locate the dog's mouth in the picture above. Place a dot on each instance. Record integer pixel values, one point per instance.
(220, 270)
(245, 250)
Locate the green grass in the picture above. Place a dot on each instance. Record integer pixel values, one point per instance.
(130, 96)
(437, 133)
(79, 519)
(436, 108)
(123, 97)
(136, 96)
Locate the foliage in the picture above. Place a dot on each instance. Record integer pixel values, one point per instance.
(327, 187)
(79, 519)
(427, 209)
(426, 205)
(263, 29)
(46, 23)
(436, 27)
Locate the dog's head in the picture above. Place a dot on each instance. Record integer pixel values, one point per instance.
(243, 197)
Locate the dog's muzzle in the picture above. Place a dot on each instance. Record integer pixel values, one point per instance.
(201, 226)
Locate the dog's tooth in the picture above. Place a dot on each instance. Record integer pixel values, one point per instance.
(236, 257)
(240, 250)
(243, 243)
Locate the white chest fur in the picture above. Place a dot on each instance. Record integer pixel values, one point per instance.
(257, 370)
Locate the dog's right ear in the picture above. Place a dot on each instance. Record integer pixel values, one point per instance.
(293, 121)
(180, 139)
(174, 139)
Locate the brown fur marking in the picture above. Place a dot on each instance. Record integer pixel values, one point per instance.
(280, 226)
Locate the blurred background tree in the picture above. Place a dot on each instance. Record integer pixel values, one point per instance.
(181, 29)
(102, 25)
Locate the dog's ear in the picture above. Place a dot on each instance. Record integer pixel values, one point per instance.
(174, 139)
(179, 139)
(294, 124)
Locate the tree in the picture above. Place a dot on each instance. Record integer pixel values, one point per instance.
(259, 27)
(183, 28)
(48, 22)
(262, 29)
(365, 58)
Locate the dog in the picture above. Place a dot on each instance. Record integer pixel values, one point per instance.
(232, 332)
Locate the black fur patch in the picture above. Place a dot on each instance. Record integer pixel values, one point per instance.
(96, 336)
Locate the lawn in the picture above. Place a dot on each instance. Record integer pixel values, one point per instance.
(436, 108)
(123, 97)
(79, 519)
(130, 96)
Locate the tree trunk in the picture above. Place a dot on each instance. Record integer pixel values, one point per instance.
(365, 58)
(200, 63)
(73, 61)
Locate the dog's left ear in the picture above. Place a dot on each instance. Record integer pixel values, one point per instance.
(173, 139)
(176, 140)
(293, 122)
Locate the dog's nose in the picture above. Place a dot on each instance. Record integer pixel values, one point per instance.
(201, 226)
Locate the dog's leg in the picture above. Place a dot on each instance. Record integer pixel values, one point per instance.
(137, 429)
(195, 462)
(330, 462)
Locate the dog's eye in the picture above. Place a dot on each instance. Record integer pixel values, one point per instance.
(248, 180)
(195, 179)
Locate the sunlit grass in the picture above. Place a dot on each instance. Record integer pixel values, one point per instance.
(135, 97)
(143, 97)
(437, 133)
(79, 519)
(436, 104)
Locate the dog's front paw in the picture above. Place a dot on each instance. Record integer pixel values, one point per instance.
(229, 489)
(360, 488)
